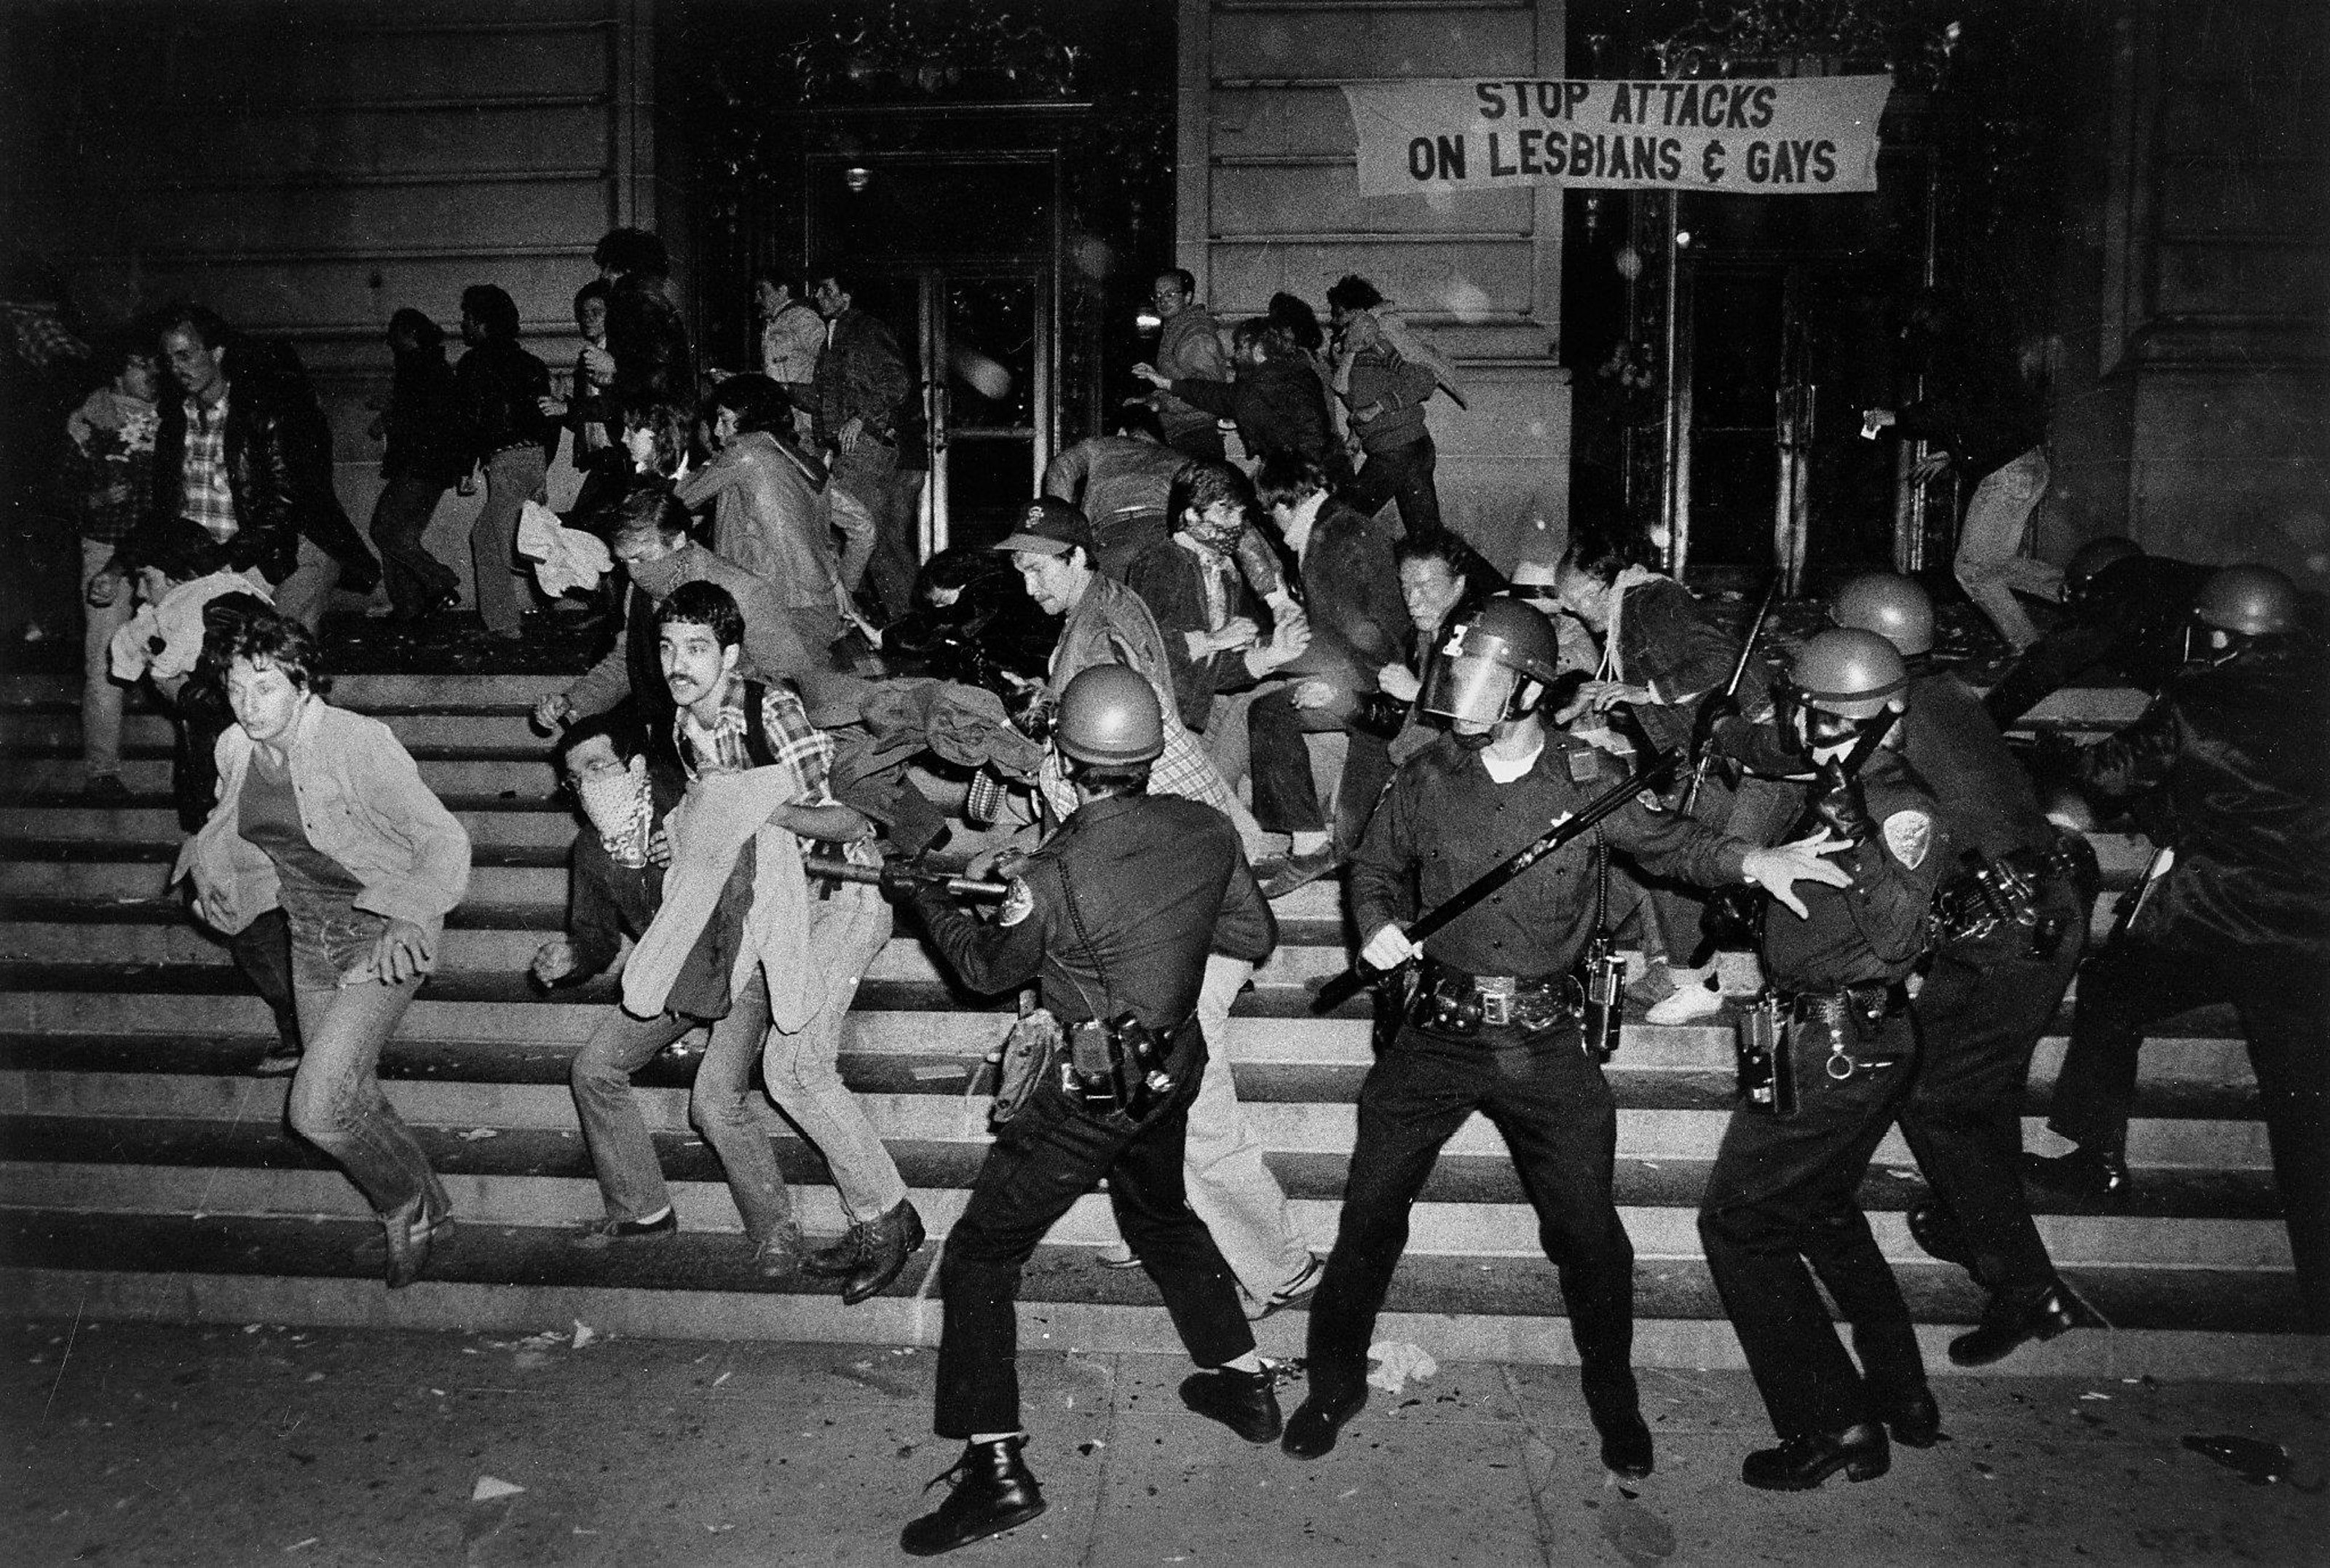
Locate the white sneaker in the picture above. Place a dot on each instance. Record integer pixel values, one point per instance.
(1700, 999)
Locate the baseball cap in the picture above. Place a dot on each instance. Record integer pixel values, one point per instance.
(1050, 526)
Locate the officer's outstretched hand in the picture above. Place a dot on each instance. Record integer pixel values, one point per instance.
(1778, 870)
(1387, 949)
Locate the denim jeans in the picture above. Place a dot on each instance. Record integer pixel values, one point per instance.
(803, 1070)
(415, 579)
(1401, 474)
(336, 1103)
(513, 477)
(1990, 565)
(631, 1181)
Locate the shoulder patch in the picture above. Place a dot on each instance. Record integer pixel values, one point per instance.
(1909, 835)
(1018, 903)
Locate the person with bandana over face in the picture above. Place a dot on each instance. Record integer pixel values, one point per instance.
(651, 544)
(1492, 1015)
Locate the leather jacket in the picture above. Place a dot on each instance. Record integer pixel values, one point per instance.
(279, 469)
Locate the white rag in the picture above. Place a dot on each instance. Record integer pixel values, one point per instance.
(709, 826)
(567, 558)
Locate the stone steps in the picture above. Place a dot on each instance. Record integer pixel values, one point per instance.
(145, 1172)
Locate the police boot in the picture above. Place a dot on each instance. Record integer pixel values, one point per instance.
(1914, 1418)
(1241, 1401)
(1937, 1230)
(2014, 1319)
(1804, 1461)
(994, 1491)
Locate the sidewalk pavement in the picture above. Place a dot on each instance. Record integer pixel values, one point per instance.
(146, 1444)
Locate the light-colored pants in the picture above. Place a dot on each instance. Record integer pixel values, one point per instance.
(514, 477)
(336, 1103)
(803, 1070)
(1228, 1186)
(100, 699)
(1990, 565)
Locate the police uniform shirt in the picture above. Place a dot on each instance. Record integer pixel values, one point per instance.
(1159, 882)
(1444, 823)
(1873, 933)
(1955, 748)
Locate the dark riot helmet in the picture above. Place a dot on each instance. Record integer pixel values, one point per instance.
(1840, 683)
(1893, 606)
(2091, 558)
(1481, 662)
(2254, 601)
(1109, 716)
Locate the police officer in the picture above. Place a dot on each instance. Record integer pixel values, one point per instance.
(1492, 1019)
(1115, 914)
(2018, 913)
(1781, 1194)
(2239, 747)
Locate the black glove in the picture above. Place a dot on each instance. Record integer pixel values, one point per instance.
(1731, 921)
(900, 882)
(1381, 715)
(1838, 805)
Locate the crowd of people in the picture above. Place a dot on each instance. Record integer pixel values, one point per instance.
(1179, 687)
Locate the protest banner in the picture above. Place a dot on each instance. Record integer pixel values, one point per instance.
(1792, 136)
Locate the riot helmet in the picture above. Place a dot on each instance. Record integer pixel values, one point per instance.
(1840, 684)
(2254, 601)
(1109, 716)
(1893, 606)
(1482, 662)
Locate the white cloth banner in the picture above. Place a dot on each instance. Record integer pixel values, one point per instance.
(1793, 135)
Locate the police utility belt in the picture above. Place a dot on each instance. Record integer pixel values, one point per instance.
(1848, 1024)
(1116, 1064)
(2003, 892)
(1449, 1001)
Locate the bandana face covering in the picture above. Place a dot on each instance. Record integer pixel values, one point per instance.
(658, 577)
(622, 808)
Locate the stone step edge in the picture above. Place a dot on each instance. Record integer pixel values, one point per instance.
(1481, 1233)
(1675, 1344)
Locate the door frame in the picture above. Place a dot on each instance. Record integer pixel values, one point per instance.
(924, 268)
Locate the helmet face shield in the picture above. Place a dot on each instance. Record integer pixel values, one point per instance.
(1468, 688)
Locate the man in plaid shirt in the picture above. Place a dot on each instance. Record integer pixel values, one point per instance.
(729, 723)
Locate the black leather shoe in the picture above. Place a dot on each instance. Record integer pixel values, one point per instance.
(994, 1491)
(886, 1243)
(1802, 1463)
(2094, 1175)
(1311, 1430)
(1241, 1401)
(1937, 1230)
(1915, 1420)
(2012, 1320)
(1626, 1446)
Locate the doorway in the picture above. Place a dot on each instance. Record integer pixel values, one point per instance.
(1781, 357)
(956, 256)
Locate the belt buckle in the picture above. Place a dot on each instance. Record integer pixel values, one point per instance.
(1497, 994)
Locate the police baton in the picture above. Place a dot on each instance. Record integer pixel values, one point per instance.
(875, 875)
(1702, 741)
(1345, 986)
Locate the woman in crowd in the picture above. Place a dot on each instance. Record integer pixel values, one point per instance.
(322, 814)
(425, 459)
